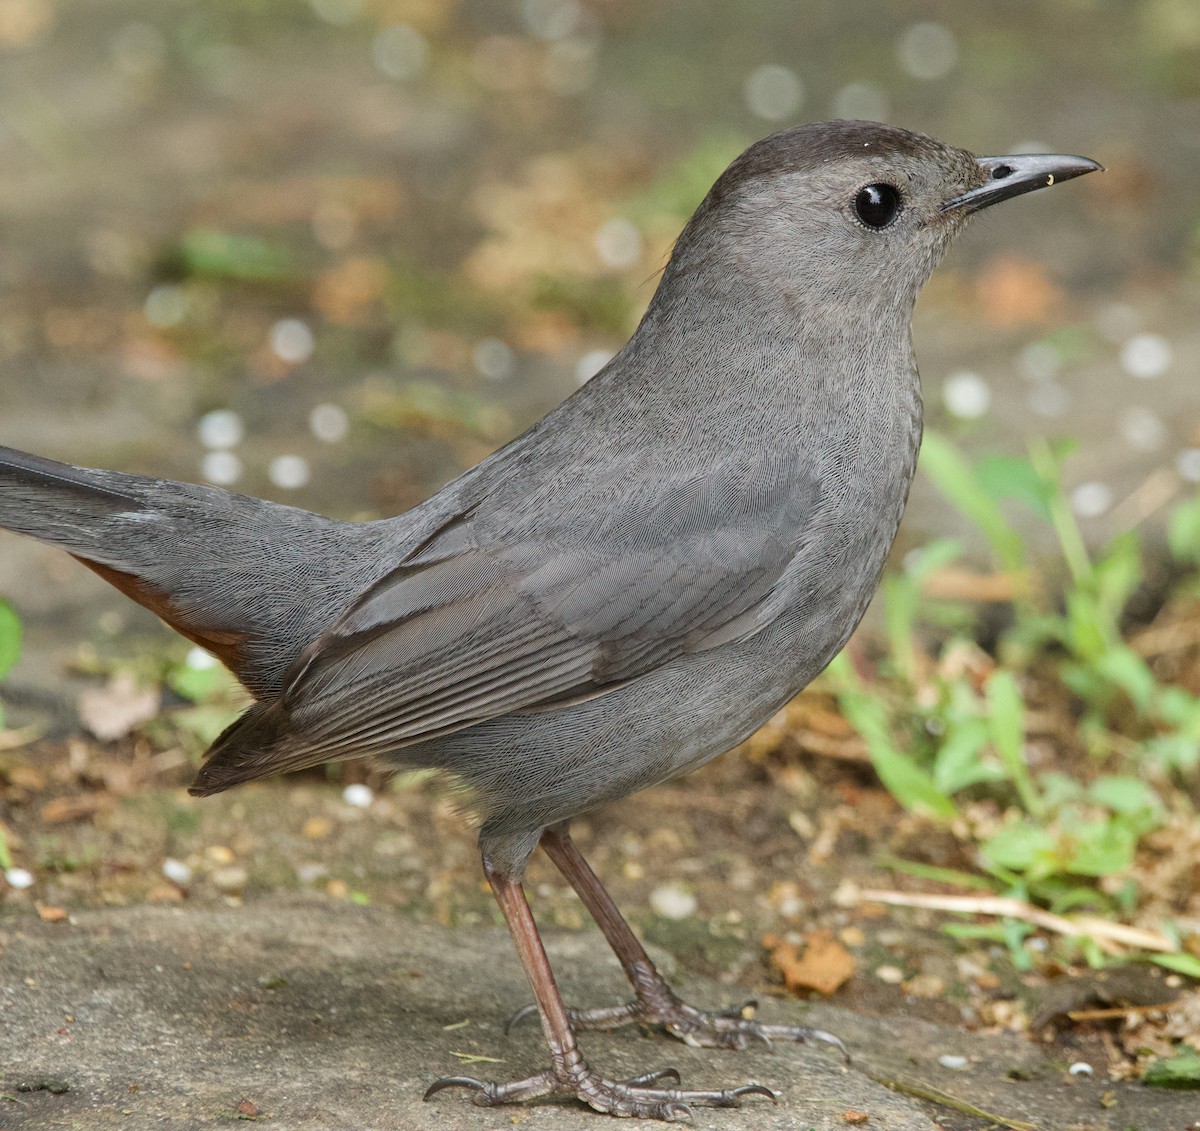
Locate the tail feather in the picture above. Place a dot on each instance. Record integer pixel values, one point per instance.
(252, 581)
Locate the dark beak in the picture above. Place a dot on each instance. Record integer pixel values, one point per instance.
(1011, 176)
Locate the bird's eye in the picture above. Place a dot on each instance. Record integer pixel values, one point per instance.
(877, 205)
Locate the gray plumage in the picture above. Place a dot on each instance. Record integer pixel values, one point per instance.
(634, 584)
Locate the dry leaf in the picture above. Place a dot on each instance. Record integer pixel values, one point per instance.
(63, 809)
(112, 711)
(1016, 291)
(824, 966)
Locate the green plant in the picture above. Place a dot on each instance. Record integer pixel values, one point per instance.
(10, 644)
(946, 725)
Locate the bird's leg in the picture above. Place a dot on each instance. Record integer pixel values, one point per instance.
(655, 1003)
(569, 1074)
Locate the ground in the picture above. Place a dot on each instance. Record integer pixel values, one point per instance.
(317, 960)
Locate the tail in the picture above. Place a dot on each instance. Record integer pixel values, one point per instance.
(251, 581)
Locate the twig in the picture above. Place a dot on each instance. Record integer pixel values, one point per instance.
(1109, 936)
(945, 1099)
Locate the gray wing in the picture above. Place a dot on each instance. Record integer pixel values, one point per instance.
(504, 613)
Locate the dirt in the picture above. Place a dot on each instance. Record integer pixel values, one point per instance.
(313, 956)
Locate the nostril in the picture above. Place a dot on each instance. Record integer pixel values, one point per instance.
(1002, 171)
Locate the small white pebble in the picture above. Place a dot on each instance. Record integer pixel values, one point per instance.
(927, 50)
(220, 429)
(955, 1062)
(292, 340)
(200, 660)
(552, 19)
(673, 902)
(891, 975)
(773, 92)
(1081, 1068)
(1188, 464)
(618, 243)
(1143, 429)
(337, 11)
(494, 360)
(329, 423)
(358, 795)
(177, 871)
(165, 306)
(311, 873)
(221, 468)
(231, 878)
(18, 878)
(400, 51)
(1090, 500)
(590, 364)
(289, 472)
(861, 100)
(967, 395)
(1146, 355)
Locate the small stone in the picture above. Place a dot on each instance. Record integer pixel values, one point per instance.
(18, 878)
(360, 796)
(177, 871)
(925, 986)
(1081, 1068)
(891, 975)
(673, 901)
(316, 828)
(219, 854)
(229, 879)
(958, 1063)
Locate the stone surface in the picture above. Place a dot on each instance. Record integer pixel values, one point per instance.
(327, 1016)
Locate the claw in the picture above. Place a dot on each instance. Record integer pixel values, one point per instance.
(831, 1039)
(755, 1090)
(516, 1019)
(454, 1082)
(677, 1113)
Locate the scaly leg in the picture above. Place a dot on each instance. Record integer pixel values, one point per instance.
(654, 1002)
(569, 1074)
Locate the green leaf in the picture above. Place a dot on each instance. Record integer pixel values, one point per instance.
(1183, 530)
(1020, 846)
(1011, 477)
(1116, 573)
(1099, 848)
(954, 477)
(904, 780)
(1125, 668)
(223, 255)
(1181, 1071)
(1124, 794)
(952, 876)
(10, 638)
(1006, 722)
(1186, 964)
(1088, 633)
(958, 762)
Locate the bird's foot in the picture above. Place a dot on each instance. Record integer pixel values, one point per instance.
(657, 1007)
(637, 1098)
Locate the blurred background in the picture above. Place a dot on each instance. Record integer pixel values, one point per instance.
(333, 251)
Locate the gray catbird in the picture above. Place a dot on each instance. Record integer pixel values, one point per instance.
(626, 590)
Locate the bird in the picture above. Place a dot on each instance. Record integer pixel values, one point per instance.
(626, 590)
